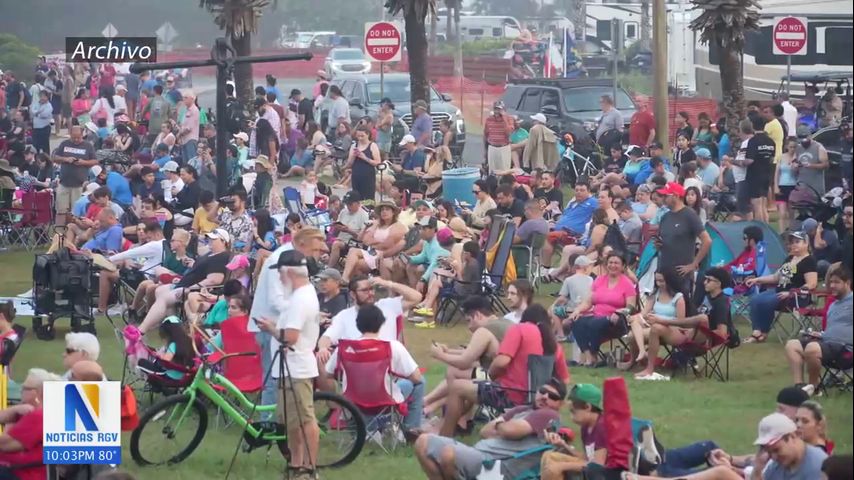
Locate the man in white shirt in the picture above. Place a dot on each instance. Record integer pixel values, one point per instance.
(297, 328)
(790, 113)
(401, 298)
(272, 297)
(519, 296)
(173, 183)
(150, 254)
(403, 381)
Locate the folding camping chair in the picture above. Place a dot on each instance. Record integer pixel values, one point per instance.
(540, 371)
(837, 372)
(365, 366)
(318, 218)
(801, 316)
(30, 226)
(243, 371)
(527, 259)
(711, 352)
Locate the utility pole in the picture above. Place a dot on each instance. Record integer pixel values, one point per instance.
(659, 82)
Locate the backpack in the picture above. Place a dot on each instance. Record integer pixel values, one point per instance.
(733, 337)
(614, 238)
(28, 97)
(235, 115)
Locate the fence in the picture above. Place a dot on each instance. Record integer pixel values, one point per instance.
(692, 106)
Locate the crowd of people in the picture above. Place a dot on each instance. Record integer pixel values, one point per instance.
(136, 190)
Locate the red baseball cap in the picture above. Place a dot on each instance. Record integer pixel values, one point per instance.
(672, 188)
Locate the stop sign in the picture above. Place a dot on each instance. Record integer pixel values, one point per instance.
(382, 41)
(790, 36)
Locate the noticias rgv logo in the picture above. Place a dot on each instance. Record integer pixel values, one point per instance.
(111, 50)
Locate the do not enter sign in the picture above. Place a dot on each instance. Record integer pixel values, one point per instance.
(382, 41)
(790, 36)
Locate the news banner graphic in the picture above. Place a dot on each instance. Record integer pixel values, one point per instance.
(82, 423)
(111, 50)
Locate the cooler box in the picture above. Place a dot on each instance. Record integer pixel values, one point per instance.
(457, 184)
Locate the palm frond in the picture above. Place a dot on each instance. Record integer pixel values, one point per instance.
(237, 17)
(725, 22)
(417, 8)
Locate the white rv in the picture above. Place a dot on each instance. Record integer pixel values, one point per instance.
(475, 27)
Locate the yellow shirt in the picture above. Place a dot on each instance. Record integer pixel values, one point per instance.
(201, 223)
(775, 130)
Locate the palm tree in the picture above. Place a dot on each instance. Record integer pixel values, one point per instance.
(414, 17)
(724, 24)
(453, 11)
(239, 19)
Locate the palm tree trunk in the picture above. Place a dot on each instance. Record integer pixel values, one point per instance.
(579, 19)
(434, 25)
(244, 89)
(416, 47)
(458, 43)
(732, 88)
(645, 26)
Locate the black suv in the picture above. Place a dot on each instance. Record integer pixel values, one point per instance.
(565, 102)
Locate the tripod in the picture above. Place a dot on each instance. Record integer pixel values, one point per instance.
(280, 359)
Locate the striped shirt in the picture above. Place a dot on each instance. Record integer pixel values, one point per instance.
(497, 130)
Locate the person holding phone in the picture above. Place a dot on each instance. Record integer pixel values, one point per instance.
(351, 223)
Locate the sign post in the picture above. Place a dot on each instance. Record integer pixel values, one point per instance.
(789, 38)
(166, 34)
(383, 43)
(109, 31)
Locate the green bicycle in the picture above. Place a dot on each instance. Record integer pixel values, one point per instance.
(173, 427)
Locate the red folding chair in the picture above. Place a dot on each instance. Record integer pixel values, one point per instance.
(364, 367)
(245, 372)
(710, 353)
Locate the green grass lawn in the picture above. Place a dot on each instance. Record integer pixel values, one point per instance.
(683, 410)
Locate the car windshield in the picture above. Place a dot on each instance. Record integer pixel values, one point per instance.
(584, 99)
(305, 37)
(398, 91)
(348, 55)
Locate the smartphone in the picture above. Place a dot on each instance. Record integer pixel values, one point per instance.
(255, 320)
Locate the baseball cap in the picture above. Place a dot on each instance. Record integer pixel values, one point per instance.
(121, 87)
(792, 396)
(421, 203)
(809, 225)
(799, 234)
(330, 274)
(170, 166)
(634, 150)
(538, 117)
(242, 135)
(421, 104)
(219, 233)
(587, 393)
(498, 105)
(407, 139)
(656, 144)
(672, 188)
(430, 222)
(803, 131)
(443, 235)
(239, 261)
(96, 170)
(703, 153)
(774, 427)
(290, 258)
(90, 188)
(582, 261)
(352, 197)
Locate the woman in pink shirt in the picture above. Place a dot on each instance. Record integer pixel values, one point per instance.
(597, 313)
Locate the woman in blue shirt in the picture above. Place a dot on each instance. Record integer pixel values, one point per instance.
(786, 176)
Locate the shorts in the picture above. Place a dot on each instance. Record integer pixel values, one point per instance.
(742, 198)
(469, 460)
(561, 311)
(298, 408)
(493, 395)
(498, 158)
(758, 187)
(561, 238)
(785, 191)
(65, 198)
(830, 351)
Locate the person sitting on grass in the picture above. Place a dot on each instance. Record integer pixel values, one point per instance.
(812, 426)
(508, 370)
(404, 378)
(516, 430)
(586, 410)
(667, 305)
(463, 274)
(714, 315)
(487, 332)
(814, 348)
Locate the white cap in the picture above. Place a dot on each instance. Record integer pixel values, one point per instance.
(120, 87)
(407, 139)
(539, 117)
(774, 427)
(582, 261)
(90, 188)
(96, 170)
(242, 135)
(220, 234)
(171, 166)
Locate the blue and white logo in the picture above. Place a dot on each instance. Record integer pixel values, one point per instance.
(82, 423)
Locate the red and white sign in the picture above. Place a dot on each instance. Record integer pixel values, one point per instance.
(790, 36)
(383, 41)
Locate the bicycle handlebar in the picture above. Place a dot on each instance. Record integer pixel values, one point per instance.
(230, 355)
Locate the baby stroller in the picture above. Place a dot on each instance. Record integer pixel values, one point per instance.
(806, 202)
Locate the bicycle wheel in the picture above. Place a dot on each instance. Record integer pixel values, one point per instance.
(173, 428)
(342, 430)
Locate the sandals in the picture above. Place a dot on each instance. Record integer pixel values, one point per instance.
(754, 338)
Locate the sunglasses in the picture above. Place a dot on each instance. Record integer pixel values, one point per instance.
(550, 394)
(69, 351)
(475, 192)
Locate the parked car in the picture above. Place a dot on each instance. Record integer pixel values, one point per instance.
(346, 60)
(364, 93)
(564, 102)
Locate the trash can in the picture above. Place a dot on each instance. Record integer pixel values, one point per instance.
(457, 184)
